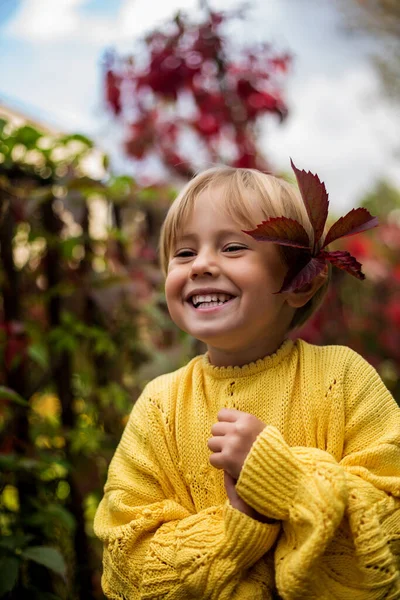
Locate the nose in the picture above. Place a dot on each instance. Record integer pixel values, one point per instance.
(205, 264)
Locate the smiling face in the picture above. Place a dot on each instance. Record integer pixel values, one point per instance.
(221, 285)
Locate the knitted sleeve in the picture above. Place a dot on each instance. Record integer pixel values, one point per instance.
(341, 519)
(154, 543)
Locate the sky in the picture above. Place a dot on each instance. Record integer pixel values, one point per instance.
(339, 123)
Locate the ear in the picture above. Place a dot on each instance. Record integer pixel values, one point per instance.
(300, 297)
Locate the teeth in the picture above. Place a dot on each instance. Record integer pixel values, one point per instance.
(220, 298)
(209, 304)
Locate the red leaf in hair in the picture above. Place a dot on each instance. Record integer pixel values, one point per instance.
(281, 230)
(344, 260)
(315, 198)
(356, 221)
(296, 278)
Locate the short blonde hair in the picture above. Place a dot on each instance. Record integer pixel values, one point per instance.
(249, 197)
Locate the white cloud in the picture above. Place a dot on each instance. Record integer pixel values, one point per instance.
(49, 21)
(340, 128)
(141, 15)
(44, 20)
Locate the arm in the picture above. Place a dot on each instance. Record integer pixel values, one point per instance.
(341, 520)
(155, 545)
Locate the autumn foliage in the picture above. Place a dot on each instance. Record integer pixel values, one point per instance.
(191, 99)
(310, 259)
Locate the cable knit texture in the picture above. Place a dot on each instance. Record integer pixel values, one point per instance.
(326, 468)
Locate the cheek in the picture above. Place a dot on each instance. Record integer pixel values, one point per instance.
(263, 290)
(173, 285)
(173, 294)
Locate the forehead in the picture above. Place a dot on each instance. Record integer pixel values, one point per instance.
(221, 207)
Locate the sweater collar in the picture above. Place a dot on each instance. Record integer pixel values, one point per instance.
(253, 368)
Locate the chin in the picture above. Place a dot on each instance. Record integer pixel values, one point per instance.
(218, 340)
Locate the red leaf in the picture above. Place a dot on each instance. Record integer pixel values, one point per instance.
(357, 220)
(281, 230)
(246, 160)
(113, 91)
(315, 198)
(344, 260)
(296, 278)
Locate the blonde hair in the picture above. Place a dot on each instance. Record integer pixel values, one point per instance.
(249, 197)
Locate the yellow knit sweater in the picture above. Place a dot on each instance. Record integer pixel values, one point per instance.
(326, 467)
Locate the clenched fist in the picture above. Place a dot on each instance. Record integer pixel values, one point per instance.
(233, 436)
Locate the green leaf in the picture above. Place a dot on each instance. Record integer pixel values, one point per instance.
(61, 515)
(8, 462)
(9, 569)
(62, 341)
(68, 245)
(147, 194)
(48, 557)
(77, 137)
(120, 187)
(28, 136)
(85, 185)
(50, 516)
(12, 542)
(13, 462)
(38, 353)
(3, 123)
(9, 394)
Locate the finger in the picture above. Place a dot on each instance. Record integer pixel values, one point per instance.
(215, 444)
(222, 428)
(229, 414)
(218, 460)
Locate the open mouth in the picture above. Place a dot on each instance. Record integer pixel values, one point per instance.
(210, 300)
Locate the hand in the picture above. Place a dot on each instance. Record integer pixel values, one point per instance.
(235, 500)
(233, 436)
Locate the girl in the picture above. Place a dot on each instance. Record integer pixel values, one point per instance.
(267, 468)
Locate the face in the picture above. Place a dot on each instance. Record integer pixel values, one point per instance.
(220, 286)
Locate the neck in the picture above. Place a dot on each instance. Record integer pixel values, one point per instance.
(237, 357)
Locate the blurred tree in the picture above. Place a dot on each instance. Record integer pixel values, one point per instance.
(380, 19)
(72, 312)
(190, 98)
(383, 200)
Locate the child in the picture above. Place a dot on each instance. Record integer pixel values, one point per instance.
(266, 468)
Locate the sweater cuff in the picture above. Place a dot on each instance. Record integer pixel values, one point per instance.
(270, 475)
(247, 539)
